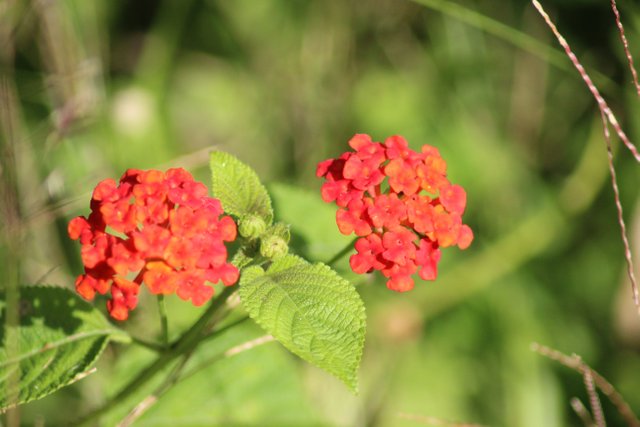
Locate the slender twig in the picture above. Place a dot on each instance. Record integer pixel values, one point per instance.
(581, 411)
(241, 348)
(607, 117)
(186, 343)
(158, 348)
(150, 400)
(623, 227)
(164, 324)
(602, 104)
(42, 278)
(225, 328)
(594, 400)
(233, 351)
(175, 377)
(140, 409)
(574, 362)
(342, 253)
(625, 44)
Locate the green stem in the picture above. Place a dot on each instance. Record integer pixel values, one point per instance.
(164, 325)
(224, 328)
(174, 377)
(226, 354)
(241, 259)
(342, 253)
(158, 348)
(187, 342)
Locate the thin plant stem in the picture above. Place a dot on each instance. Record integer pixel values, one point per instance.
(175, 377)
(594, 400)
(625, 44)
(607, 118)
(148, 401)
(233, 351)
(582, 412)
(602, 104)
(164, 324)
(187, 342)
(623, 227)
(217, 332)
(42, 278)
(574, 362)
(158, 348)
(342, 253)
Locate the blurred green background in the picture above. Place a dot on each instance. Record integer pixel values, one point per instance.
(90, 88)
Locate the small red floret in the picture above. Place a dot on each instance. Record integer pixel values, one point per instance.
(403, 227)
(155, 227)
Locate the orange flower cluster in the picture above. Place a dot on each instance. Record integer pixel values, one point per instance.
(403, 228)
(155, 227)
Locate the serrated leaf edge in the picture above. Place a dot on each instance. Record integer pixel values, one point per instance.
(352, 381)
(107, 333)
(269, 204)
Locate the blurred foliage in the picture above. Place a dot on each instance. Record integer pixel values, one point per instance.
(90, 88)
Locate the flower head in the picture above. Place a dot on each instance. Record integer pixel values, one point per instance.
(155, 227)
(402, 228)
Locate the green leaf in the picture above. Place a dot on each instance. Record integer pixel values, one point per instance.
(238, 187)
(58, 339)
(311, 310)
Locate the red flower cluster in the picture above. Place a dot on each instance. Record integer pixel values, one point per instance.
(403, 228)
(156, 227)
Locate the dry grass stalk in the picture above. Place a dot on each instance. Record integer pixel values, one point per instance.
(625, 44)
(607, 118)
(575, 362)
(582, 412)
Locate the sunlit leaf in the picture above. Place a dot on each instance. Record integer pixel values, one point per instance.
(238, 187)
(311, 310)
(58, 339)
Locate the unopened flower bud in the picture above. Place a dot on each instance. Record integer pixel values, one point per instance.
(273, 247)
(275, 243)
(251, 226)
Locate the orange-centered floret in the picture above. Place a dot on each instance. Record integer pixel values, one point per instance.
(402, 228)
(155, 227)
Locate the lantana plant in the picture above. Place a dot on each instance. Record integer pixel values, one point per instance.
(399, 203)
(160, 232)
(173, 239)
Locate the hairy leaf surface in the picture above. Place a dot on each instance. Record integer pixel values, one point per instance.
(238, 187)
(58, 338)
(312, 311)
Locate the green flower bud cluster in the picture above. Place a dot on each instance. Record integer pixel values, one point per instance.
(251, 226)
(273, 241)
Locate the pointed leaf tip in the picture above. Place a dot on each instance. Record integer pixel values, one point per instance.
(238, 187)
(311, 310)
